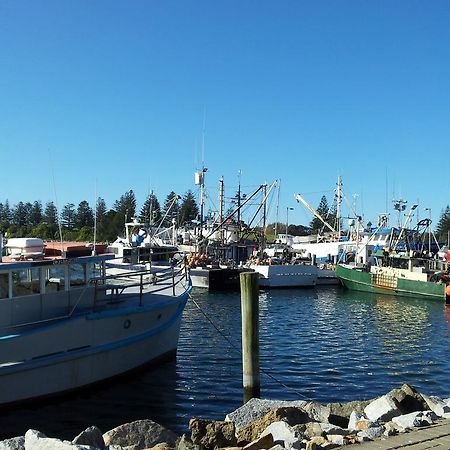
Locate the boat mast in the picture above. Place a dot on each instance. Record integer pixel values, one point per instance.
(338, 205)
(221, 197)
(264, 214)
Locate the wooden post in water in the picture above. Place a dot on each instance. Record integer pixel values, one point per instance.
(250, 334)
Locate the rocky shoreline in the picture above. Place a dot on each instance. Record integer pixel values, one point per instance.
(265, 424)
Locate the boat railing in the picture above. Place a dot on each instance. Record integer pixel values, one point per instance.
(118, 283)
(164, 279)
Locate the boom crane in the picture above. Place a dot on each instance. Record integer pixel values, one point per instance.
(299, 199)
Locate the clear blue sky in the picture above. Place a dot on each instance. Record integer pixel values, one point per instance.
(107, 96)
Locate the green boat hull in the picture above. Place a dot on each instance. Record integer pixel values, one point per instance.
(360, 280)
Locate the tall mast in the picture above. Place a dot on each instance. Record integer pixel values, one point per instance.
(338, 205)
(264, 212)
(221, 192)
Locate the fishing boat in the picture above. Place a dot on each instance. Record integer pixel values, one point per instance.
(402, 268)
(65, 322)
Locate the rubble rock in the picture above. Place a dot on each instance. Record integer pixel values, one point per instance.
(415, 419)
(256, 408)
(383, 408)
(408, 399)
(437, 405)
(340, 412)
(290, 415)
(264, 442)
(91, 436)
(212, 433)
(282, 433)
(35, 440)
(16, 443)
(358, 421)
(139, 434)
(370, 434)
(318, 412)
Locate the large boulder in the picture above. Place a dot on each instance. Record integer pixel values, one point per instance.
(438, 406)
(256, 408)
(340, 412)
(16, 443)
(139, 434)
(90, 436)
(291, 415)
(212, 433)
(318, 412)
(408, 399)
(415, 419)
(383, 409)
(35, 440)
(282, 434)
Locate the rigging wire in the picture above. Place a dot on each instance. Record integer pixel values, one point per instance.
(235, 348)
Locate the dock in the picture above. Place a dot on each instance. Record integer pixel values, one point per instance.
(435, 437)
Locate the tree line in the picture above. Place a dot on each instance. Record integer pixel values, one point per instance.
(26, 219)
(77, 222)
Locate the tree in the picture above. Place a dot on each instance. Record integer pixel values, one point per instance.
(171, 209)
(5, 216)
(189, 209)
(68, 216)
(84, 216)
(20, 215)
(51, 220)
(100, 212)
(316, 224)
(151, 210)
(36, 213)
(443, 226)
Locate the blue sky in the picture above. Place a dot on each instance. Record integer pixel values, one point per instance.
(106, 96)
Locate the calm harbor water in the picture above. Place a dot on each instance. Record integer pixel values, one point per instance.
(325, 344)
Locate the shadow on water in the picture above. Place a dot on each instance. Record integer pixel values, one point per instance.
(324, 344)
(146, 393)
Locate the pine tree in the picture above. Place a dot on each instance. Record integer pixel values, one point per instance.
(68, 216)
(151, 210)
(171, 209)
(84, 216)
(443, 226)
(189, 209)
(51, 220)
(36, 213)
(316, 224)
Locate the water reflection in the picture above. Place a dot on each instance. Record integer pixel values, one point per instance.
(325, 344)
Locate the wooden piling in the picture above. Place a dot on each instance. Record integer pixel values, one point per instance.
(250, 334)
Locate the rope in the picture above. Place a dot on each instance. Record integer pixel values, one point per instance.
(235, 348)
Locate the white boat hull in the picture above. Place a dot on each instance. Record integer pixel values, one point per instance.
(286, 275)
(102, 346)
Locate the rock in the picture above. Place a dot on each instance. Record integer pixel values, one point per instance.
(139, 434)
(277, 447)
(35, 440)
(358, 421)
(319, 442)
(263, 442)
(90, 436)
(256, 408)
(312, 429)
(329, 428)
(160, 446)
(282, 433)
(16, 443)
(437, 405)
(212, 434)
(408, 399)
(186, 444)
(415, 419)
(370, 434)
(290, 415)
(318, 412)
(336, 439)
(340, 412)
(383, 408)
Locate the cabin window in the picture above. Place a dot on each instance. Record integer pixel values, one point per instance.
(77, 275)
(94, 272)
(25, 282)
(4, 285)
(54, 279)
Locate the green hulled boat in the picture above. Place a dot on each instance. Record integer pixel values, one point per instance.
(398, 275)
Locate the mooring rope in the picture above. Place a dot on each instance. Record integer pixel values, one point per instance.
(238, 350)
